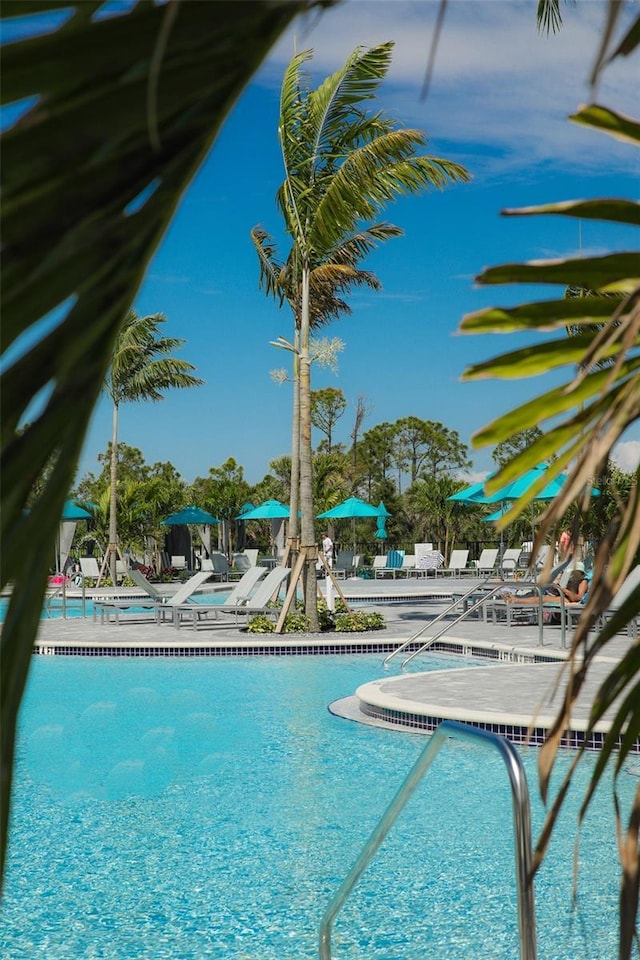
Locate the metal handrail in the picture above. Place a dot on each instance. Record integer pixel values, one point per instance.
(475, 606)
(431, 623)
(521, 825)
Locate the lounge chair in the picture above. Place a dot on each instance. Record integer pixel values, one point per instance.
(89, 568)
(252, 603)
(630, 583)
(157, 601)
(141, 581)
(542, 556)
(509, 561)
(526, 560)
(408, 567)
(241, 563)
(427, 560)
(343, 565)
(217, 566)
(486, 563)
(531, 602)
(178, 563)
(392, 564)
(457, 563)
(240, 594)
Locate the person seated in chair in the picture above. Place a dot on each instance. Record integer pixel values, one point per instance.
(574, 591)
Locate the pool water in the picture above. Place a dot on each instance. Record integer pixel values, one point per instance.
(209, 808)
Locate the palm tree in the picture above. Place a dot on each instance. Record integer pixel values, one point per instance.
(342, 166)
(141, 369)
(327, 282)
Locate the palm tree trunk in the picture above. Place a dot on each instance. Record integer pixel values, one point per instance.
(307, 532)
(113, 520)
(294, 495)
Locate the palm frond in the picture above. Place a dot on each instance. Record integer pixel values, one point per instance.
(353, 249)
(590, 414)
(548, 16)
(270, 267)
(333, 103)
(373, 176)
(126, 108)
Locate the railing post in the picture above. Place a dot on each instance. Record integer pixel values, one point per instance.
(521, 824)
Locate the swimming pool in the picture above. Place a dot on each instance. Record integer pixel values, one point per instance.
(209, 808)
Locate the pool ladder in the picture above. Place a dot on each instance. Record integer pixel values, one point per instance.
(521, 823)
(489, 593)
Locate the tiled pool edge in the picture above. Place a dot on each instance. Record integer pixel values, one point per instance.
(524, 735)
(298, 646)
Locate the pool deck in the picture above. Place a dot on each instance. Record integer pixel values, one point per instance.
(517, 695)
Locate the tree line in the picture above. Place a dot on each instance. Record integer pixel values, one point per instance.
(412, 465)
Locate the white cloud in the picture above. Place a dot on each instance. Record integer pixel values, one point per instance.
(497, 82)
(626, 455)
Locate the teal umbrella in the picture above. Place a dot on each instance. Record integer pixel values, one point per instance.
(383, 513)
(269, 510)
(353, 507)
(467, 494)
(517, 488)
(189, 515)
(514, 490)
(73, 511)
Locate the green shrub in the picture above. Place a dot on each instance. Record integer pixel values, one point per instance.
(261, 624)
(355, 622)
(296, 623)
(358, 621)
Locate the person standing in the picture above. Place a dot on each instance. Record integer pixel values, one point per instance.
(565, 545)
(327, 549)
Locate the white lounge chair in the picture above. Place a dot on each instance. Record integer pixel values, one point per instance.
(542, 557)
(457, 563)
(179, 563)
(408, 567)
(486, 563)
(240, 594)
(89, 568)
(509, 561)
(251, 603)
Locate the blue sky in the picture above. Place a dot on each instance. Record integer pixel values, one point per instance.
(498, 103)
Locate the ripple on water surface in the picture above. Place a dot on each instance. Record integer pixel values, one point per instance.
(210, 808)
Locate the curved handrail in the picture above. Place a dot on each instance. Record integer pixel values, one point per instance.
(431, 623)
(521, 825)
(475, 606)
